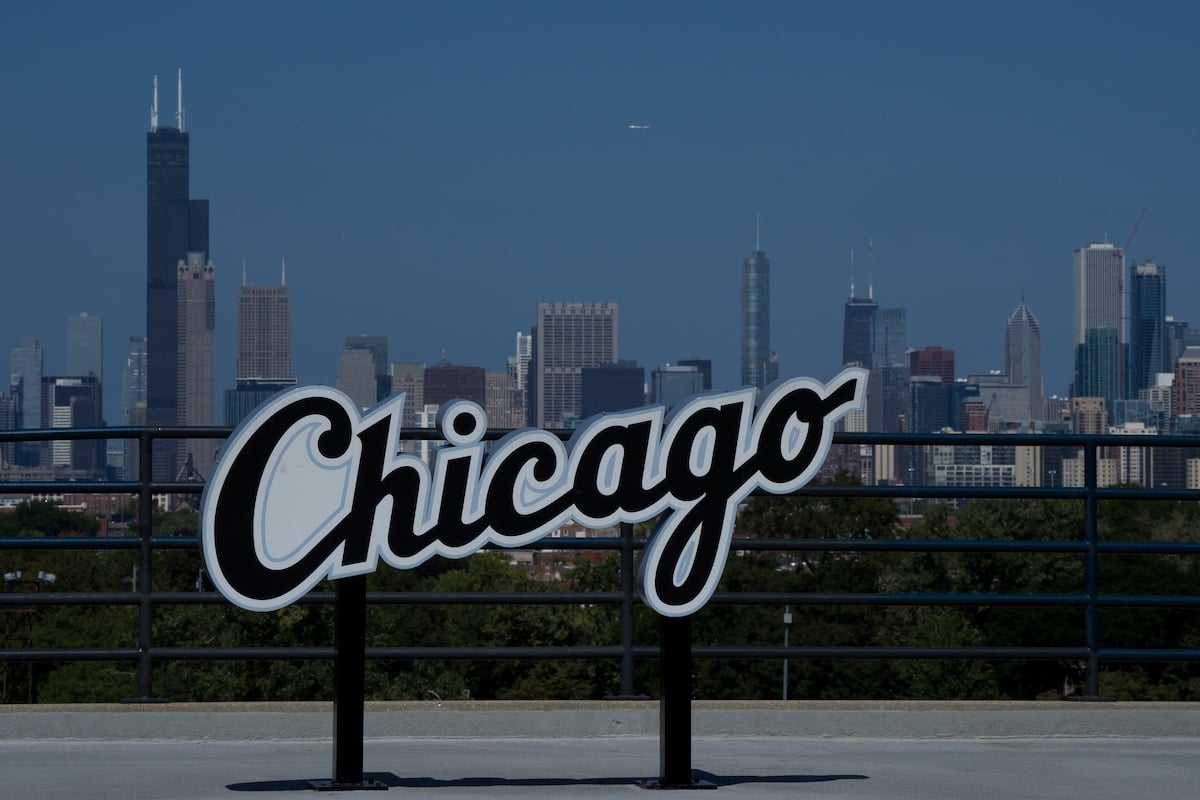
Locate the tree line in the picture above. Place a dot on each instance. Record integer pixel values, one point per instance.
(582, 625)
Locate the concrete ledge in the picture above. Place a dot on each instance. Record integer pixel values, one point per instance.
(494, 720)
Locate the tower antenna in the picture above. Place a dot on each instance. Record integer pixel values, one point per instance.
(283, 273)
(243, 271)
(851, 274)
(870, 268)
(179, 102)
(757, 231)
(154, 108)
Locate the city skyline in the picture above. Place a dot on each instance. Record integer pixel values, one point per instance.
(475, 193)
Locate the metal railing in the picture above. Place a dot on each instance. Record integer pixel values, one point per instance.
(1089, 547)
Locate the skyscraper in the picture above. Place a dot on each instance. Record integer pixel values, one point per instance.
(356, 377)
(445, 382)
(505, 404)
(1098, 300)
(670, 385)
(858, 331)
(1185, 392)
(409, 377)
(264, 347)
(175, 226)
(133, 401)
(932, 361)
(611, 387)
(1099, 303)
(133, 378)
(759, 366)
(1147, 325)
(377, 346)
(85, 346)
(72, 402)
(1097, 365)
(27, 364)
(264, 332)
(1023, 356)
(704, 365)
(567, 338)
(8, 422)
(891, 338)
(196, 315)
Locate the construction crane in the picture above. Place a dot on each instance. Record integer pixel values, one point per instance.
(1124, 315)
(1133, 232)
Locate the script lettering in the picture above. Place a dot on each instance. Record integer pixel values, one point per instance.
(309, 489)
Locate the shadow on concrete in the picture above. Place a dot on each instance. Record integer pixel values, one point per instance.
(392, 780)
(734, 780)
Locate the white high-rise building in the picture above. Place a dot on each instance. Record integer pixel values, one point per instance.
(518, 365)
(1099, 294)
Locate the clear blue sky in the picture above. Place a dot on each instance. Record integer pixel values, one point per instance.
(430, 171)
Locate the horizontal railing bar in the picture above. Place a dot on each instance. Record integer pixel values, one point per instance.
(67, 655)
(641, 652)
(773, 599)
(1131, 654)
(415, 598)
(910, 545)
(836, 599)
(1150, 548)
(613, 543)
(1149, 600)
(49, 599)
(898, 653)
(551, 653)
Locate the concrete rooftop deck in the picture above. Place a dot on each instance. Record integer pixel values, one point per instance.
(551, 750)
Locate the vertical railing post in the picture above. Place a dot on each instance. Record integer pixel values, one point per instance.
(1091, 573)
(145, 570)
(626, 609)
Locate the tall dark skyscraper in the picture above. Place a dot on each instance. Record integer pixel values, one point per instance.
(858, 327)
(1147, 325)
(858, 331)
(759, 365)
(175, 226)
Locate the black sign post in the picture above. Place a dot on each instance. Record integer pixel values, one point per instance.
(349, 675)
(675, 708)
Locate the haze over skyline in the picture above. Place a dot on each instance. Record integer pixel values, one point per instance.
(431, 173)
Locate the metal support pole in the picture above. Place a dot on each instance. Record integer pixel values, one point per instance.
(350, 651)
(349, 668)
(626, 609)
(675, 708)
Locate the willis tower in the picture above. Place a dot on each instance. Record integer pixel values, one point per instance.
(175, 226)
